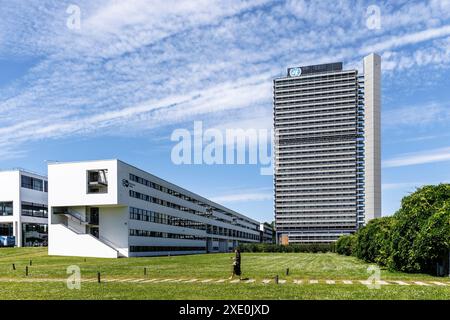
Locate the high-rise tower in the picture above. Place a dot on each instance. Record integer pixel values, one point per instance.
(327, 151)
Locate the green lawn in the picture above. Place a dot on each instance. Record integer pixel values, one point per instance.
(38, 285)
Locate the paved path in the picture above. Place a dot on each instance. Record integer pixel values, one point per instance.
(150, 281)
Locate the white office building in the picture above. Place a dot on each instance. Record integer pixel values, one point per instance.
(23, 207)
(327, 151)
(266, 233)
(111, 209)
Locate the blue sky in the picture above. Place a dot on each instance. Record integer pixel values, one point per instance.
(136, 70)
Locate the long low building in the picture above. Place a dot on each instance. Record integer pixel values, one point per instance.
(23, 208)
(111, 209)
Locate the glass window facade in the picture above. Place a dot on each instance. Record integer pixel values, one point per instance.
(33, 183)
(34, 235)
(34, 210)
(158, 248)
(6, 229)
(157, 234)
(161, 218)
(6, 208)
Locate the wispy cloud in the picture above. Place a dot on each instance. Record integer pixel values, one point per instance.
(407, 39)
(417, 115)
(423, 157)
(167, 65)
(243, 197)
(401, 185)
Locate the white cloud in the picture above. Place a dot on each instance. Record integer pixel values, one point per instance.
(243, 197)
(417, 115)
(417, 158)
(171, 64)
(407, 39)
(401, 185)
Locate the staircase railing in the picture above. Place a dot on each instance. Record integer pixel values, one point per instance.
(113, 245)
(78, 216)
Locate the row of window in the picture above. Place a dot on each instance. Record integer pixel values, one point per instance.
(316, 116)
(318, 163)
(318, 229)
(314, 169)
(342, 85)
(327, 78)
(286, 104)
(34, 210)
(303, 125)
(307, 150)
(156, 217)
(34, 183)
(317, 130)
(161, 218)
(341, 138)
(315, 174)
(309, 109)
(157, 234)
(146, 197)
(28, 209)
(161, 188)
(314, 217)
(160, 248)
(317, 205)
(177, 194)
(315, 158)
(337, 137)
(231, 233)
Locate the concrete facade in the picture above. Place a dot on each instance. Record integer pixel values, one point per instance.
(23, 207)
(327, 151)
(111, 209)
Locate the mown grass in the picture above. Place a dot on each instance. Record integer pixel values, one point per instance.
(320, 266)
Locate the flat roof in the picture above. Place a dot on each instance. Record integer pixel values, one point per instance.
(22, 170)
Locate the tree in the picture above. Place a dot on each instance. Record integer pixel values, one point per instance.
(431, 247)
(344, 245)
(420, 231)
(373, 241)
(415, 239)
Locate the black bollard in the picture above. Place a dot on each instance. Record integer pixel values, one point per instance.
(287, 271)
(145, 271)
(99, 277)
(31, 262)
(26, 271)
(276, 279)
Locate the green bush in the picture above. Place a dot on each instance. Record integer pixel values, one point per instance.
(268, 247)
(373, 242)
(420, 235)
(415, 239)
(345, 244)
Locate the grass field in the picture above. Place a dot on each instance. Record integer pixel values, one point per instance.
(47, 277)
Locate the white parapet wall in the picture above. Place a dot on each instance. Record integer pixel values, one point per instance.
(65, 242)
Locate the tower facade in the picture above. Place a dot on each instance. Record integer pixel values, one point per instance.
(327, 151)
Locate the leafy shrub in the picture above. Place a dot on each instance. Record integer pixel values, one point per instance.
(267, 247)
(373, 242)
(421, 230)
(415, 239)
(344, 245)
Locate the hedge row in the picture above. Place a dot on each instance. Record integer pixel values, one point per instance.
(267, 247)
(415, 239)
